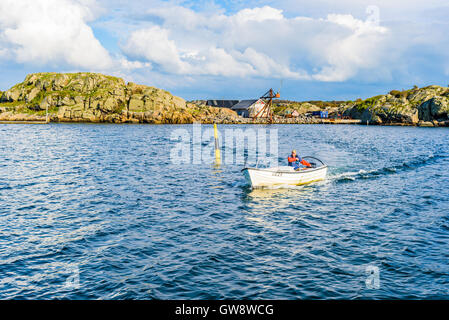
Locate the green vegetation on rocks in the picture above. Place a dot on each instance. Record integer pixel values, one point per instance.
(93, 97)
(416, 106)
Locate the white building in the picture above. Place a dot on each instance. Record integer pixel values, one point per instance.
(250, 108)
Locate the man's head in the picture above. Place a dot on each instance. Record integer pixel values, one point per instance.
(294, 153)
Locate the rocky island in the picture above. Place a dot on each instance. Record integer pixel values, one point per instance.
(93, 97)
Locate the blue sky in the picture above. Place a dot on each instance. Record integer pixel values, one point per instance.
(320, 49)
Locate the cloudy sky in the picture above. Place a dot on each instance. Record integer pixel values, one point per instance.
(321, 49)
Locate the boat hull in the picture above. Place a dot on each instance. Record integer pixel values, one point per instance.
(262, 178)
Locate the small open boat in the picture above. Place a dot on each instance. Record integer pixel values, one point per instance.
(285, 175)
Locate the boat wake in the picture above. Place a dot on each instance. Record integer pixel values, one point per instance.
(375, 173)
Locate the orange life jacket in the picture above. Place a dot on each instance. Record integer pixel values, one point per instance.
(292, 159)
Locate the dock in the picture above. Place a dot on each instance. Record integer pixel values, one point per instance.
(341, 121)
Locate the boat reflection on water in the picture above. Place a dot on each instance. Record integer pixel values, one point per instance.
(274, 211)
(283, 198)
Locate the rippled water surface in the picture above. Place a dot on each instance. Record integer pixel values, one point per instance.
(99, 212)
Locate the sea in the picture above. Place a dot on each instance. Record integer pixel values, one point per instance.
(125, 211)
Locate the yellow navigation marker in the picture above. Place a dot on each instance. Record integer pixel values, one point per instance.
(217, 148)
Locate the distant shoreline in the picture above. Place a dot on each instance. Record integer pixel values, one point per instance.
(334, 123)
(96, 98)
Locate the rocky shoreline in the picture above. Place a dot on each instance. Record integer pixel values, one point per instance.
(92, 97)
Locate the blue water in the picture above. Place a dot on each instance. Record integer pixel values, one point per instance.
(93, 211)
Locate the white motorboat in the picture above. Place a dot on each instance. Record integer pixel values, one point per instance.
(286, 175)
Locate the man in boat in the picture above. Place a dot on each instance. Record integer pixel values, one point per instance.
(295, 161)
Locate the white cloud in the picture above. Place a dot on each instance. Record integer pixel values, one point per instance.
(360, 49)
(258, 42)
(259, 14)
(51, 32)
(125, 64)
(154, 45)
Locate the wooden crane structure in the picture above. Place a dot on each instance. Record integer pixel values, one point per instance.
(266, 111)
